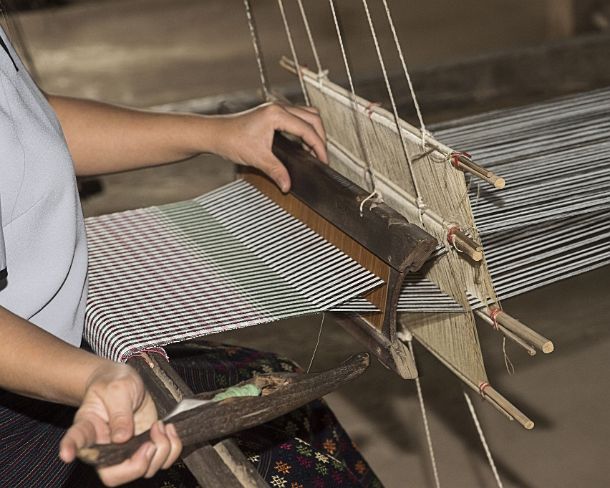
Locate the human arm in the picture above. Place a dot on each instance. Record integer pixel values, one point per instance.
(113, 401)
(104, 138)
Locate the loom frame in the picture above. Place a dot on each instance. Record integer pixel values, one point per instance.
(371, 232)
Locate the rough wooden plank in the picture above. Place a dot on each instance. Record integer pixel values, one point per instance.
(246, 473)
(281, 394)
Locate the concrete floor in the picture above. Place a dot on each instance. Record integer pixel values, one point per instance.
(150, 52)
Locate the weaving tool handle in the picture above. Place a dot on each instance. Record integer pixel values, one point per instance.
(281, 393)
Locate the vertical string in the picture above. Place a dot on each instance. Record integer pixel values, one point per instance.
(293, 51)
(350, 80)
(314, 50)
(403, 143)
(262, 72)
(422, 126)
(422, 408)
(315, 349)
(477, 424)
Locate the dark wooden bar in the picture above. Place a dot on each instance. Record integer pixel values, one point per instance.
(380, 228)
(281, 393)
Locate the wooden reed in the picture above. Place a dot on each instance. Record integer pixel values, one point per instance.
(528, 335)
(429, 217)
(331, 233)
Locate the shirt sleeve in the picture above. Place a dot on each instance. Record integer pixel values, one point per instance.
(2, 250)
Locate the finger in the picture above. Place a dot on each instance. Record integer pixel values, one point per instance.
(310, 109)
(159, 437)
(299, 127)
(135, 467)
(120, 409)
(311, 117)
(176, 446)
(274, 168)
(80, 435)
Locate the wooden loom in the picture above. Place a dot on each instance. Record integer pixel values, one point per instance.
(366, 230)
(423, 180)
(394, 249)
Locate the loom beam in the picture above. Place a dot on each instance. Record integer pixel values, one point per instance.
(372, 233)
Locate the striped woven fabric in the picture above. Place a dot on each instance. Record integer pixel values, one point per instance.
(229, 259)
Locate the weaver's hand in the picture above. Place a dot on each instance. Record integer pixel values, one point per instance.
(116, 406)
(246, 138)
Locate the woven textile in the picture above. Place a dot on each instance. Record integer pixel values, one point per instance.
(229, 259)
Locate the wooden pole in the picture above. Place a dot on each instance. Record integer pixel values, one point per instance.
(487, 390)
(528, 335)
(510, 335)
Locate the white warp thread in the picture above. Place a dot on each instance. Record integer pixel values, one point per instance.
(477, 424)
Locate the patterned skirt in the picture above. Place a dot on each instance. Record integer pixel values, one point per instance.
(306, 448)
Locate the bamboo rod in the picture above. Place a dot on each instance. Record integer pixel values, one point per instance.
(487, 390)
(488, 393)
(507, 333)
(468, 165)
(465, 164)
(522, 330)
(465, 244)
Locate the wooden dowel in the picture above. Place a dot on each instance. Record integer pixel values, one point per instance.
(468, 165)
(510, 335)
(465, 244)
(530, 336)
(488, 391)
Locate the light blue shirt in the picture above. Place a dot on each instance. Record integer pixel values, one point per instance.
(43, 245)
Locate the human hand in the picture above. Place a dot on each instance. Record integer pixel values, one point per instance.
(247, 137)
(116, 406)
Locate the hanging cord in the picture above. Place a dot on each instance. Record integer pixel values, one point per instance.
(477, 424)
(420, 203)
(293, 51)
(315, 349)
(369, 169)
(312, 44)
(508, 364)
(422, 126)
(424, 415)
(262, 71)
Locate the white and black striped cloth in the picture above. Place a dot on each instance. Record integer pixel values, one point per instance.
(229, 259)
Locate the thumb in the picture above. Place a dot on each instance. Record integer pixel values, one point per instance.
(274, 168)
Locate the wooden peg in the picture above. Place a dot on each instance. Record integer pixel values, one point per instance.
(463, 162)
(457, 238)
(507, 333)
(528, 335)
(488, 392)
